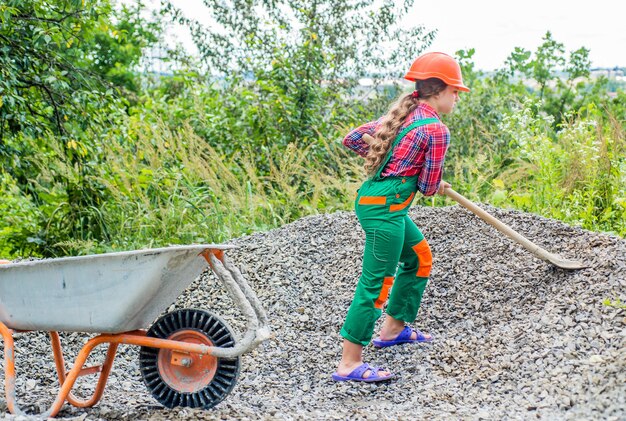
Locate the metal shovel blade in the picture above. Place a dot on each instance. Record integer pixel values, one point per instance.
(513, 235)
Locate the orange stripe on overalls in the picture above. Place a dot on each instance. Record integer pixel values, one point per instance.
(384, 292)
(424, 257)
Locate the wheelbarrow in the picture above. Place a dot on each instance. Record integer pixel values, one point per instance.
(188, 357)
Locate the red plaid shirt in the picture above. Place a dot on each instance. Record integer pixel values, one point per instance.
(421, 152)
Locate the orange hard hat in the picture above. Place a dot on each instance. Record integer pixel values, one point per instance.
(440, 66)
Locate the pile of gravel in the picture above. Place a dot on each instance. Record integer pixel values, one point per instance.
(515, 338)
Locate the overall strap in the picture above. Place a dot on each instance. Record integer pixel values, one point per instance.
(416, 123)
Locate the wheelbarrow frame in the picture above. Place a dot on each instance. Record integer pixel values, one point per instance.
(256, 332)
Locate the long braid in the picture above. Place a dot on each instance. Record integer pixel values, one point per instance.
(389, 127)
(394, 119)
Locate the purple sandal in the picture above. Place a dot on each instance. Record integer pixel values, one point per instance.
(357, 375)
(403, 338)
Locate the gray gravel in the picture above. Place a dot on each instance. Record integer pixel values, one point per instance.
(515, 338)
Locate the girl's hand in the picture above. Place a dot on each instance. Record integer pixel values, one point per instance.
(442, 186)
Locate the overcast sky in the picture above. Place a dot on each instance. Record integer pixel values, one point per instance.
(494, 28)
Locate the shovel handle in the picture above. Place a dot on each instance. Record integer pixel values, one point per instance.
(499, 225)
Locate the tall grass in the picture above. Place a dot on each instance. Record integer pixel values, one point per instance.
(170, 186)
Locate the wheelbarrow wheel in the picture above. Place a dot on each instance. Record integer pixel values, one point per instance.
(178, 379)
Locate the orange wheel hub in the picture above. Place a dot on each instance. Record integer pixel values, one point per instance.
(187, 372)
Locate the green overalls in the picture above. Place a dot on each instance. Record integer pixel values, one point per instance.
(391, 237)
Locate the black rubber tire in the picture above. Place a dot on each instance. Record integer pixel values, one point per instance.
(227, 372)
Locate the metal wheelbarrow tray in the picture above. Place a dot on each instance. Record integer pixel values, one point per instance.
(188, 357)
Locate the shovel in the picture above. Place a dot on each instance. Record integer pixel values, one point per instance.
(513, 235)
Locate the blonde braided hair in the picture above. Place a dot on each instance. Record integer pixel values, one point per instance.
(394, 119)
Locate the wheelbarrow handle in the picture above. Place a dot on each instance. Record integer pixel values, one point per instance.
(258, 329)
(512, 234)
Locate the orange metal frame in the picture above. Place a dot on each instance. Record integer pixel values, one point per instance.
(67, 379)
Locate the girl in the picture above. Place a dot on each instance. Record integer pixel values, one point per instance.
(406, 154)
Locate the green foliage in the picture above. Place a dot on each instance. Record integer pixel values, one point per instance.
(18, 219)
(617, 303)
(557, 150)
(577, 177)
(44, 85)
(95, 156)
(307, 55)
(61, 65)
(247, 36)
(114, 49)
(235, 115)
(170, 186)
(560, 95)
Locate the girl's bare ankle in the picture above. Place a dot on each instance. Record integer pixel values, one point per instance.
(346, 367)
(390, 330)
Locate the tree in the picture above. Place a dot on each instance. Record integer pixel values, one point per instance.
(43, 84)
(307, 54)
(354, 37)
(62, 65)
(61, 61)
(555, 90)
(113, 51)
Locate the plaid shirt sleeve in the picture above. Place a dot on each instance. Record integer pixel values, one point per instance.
(430, 176)
(354, 139)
